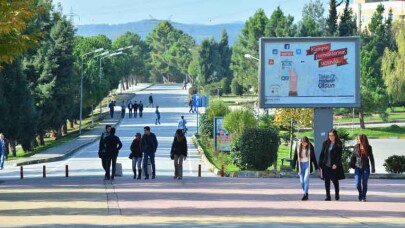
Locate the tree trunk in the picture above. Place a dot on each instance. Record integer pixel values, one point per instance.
(13, 145)
(64, 128)
(72, 124)
(75, 121)
(127, 83)
(58, 133)
(41, 140)
(122, 85)
(361, 118)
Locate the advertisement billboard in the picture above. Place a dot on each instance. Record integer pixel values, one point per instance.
(309, 72)
(222, 137)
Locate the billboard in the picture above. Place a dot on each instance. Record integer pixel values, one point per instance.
(309, 72)
(222, 137)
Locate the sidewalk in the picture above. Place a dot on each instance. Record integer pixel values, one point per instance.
(88, 136)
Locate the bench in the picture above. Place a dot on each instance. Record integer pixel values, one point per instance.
(287, 166)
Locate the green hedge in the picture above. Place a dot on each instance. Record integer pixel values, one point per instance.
(395, 164)
(257, 148)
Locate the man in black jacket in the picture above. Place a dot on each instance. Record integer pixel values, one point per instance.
(149, 145)
(113, 145)
(140, 106)
(101, 147)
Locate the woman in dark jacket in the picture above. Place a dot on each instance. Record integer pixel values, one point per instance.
(136, 155)
(179, 153)
(360, 162)
(330, 162)
(304, 158)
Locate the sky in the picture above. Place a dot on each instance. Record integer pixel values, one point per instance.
(183, 11)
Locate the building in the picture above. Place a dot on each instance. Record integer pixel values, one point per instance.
(364, 10)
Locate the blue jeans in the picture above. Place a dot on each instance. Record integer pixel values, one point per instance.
(361, 179)
(304, 176)
(2, 158)
(136, 163)
(145, 163)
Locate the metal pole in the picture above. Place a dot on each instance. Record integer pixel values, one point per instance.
(101, 103)
(92, 116)
(81, 98)
(197, 121)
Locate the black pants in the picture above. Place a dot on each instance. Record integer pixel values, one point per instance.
(130, 113)
(135, 113)
(112, 113)
(328, 174)
(110, 160)
(140, 113)
(122, 113)
(104, 163)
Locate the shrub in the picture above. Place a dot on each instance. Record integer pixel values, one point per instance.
(236, 88)
(395, 164)
(192, 90)
(216, 109)
(239, 120)
(258, 148)
(394, 127)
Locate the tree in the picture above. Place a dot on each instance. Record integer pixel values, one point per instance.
(313, 21)
(331, 21)
(210, 62)
(393, 68)
(225, 53)
(280, 25)
(15, 17)
(347, 25)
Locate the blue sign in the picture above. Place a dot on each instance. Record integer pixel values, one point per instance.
(197, 100)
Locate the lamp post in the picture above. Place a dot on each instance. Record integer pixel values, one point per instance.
(249, 56)
(81, 87)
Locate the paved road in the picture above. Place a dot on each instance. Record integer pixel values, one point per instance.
(173, 103)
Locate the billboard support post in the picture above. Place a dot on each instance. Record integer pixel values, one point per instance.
(323, 122)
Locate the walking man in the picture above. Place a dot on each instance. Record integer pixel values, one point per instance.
(150, 100)
(111, 106)
(149, 145)
(112, 144)
(157, 116)
(101, 147)
(140, 106)
(135, 109)
(130, 107)
(181, 125)
(190, 103)
(2, 151)
(123, 106)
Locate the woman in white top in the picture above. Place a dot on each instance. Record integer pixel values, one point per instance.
(304, 158)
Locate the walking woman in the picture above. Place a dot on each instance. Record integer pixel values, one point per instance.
(360, 162)
(136, 155)
(304, 158)
(179, 152)
(330, 162)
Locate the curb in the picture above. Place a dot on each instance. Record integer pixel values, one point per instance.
(205, 160)
(72, 151)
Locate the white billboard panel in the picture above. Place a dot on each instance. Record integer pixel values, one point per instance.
(309, 72)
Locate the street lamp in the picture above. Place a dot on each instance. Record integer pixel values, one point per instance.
(249, 56)
(81, 87)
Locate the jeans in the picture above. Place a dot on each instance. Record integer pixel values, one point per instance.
(2, 158)
(135, 113)
(129, 113)
(151, 156)
(112, 113)
(157, 120)
(136, 163)
(361, 179)
(304, 176)
(110, 160)
(178, 165)
(122, 113)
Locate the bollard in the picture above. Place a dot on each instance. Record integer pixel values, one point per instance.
(199, 170)
(43, 172)
(67, 171)
(222, 171)
(21, 172)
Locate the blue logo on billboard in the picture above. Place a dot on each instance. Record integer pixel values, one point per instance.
(298, 51)
(275, 51)
(287, 46)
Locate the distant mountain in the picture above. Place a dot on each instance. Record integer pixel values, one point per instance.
(143, 28)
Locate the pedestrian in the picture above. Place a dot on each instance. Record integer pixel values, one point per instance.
(360, 162)
(2, 151)
(123, 107)
(136, 106)
(190, 103)
(130, 108)
(149, 146)
(157, 116)
(330, 162)
(305, 160)
(140, 107)
(111, 106)
(113, 145)
(179, 153)
(150, 100)
(136, 155)
(102, 148)
(181, 125)
(184, 84)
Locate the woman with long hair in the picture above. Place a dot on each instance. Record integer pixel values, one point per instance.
(136, 155)
(179, 153)
(304, 158)
(360, 162)
(330, 162)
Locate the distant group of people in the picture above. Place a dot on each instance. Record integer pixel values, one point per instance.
(143, 149)
(134, 108)
(330, 164)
